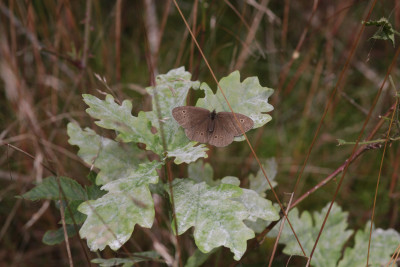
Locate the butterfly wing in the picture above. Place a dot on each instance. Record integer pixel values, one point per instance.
(199, 132)
(221, 136)
(188, 117)
(230, 124)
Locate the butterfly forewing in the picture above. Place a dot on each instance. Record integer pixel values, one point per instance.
(231, 124)
(189, 117)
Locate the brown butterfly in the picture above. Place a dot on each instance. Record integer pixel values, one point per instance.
(217, 129)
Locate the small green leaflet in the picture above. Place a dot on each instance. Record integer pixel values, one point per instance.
(54, 237)
(49, 189)
(385, 31)
(198, 258)
(126, 262)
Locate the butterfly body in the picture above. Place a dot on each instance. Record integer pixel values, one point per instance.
(217, 129)
(211, 124)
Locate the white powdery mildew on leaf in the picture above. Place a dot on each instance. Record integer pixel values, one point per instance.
(119, 118)
(218, 220)
(258, 207)
(114, 160)
(383, 245)
(188, 153)
(112, 217)
(332, 239)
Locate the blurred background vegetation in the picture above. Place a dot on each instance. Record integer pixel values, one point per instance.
(50, 51)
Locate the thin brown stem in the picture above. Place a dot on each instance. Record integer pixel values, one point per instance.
(86, 37)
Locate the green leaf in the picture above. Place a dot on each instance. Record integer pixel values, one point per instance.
(385, 31)
(94, 192)
(126, 262)
(135, 258)
(49, 189)
(171, 91)
(78, 217)
(248, 98)
(54, 237)
(198, 258)
(383, 245)
(202, 172)
(330, 244)
(259, 183)
(217, 218)
(112, 217)
(115, 160)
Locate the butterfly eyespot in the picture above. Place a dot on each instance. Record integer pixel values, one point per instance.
(215, 136)
(201, 133)
(241, 120)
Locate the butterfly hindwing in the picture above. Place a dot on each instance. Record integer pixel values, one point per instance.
(231, 124)
(199, 132)
(220, 137)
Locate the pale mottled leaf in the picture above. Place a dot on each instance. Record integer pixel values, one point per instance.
(383, 245)
(330, 244)
(258, 182)
(201, 172)
(217, 219)
(119, 118)
(112, 217)
(257, 207)
(115, 160)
